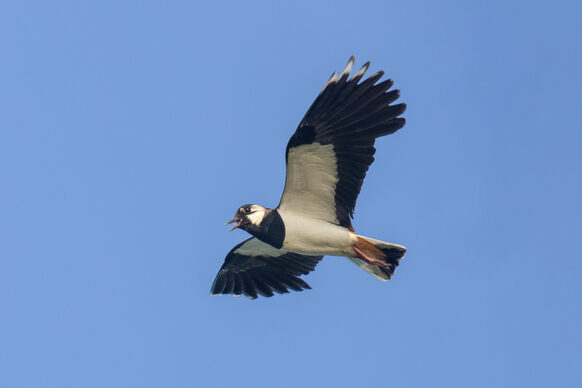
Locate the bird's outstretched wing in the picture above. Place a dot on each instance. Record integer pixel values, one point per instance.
(254, 267)
(329, 153)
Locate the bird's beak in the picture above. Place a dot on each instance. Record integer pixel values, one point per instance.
(237, 220)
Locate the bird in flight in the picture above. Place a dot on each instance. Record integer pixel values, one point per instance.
(327, 158)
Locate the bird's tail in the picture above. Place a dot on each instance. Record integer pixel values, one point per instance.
(385, 257)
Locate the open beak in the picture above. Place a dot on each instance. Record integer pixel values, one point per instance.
(238, 222)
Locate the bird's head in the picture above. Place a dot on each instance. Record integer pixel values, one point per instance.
(248, 217)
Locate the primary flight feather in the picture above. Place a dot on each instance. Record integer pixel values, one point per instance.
(327, 158)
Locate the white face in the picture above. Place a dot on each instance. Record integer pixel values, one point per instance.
(256, 214)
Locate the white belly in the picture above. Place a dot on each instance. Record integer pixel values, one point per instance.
(315, 237)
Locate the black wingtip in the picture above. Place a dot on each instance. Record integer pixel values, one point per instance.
(379, 74)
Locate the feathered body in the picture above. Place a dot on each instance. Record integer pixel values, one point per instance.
(327, 159)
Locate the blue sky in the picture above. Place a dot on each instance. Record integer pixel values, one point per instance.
(131, 131)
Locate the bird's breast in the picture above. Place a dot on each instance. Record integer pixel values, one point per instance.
(316, 237)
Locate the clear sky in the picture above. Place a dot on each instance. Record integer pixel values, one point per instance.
(131, 131)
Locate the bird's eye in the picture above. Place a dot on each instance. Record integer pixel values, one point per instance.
(247, 209)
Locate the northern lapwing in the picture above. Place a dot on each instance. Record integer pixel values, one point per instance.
(327, 158)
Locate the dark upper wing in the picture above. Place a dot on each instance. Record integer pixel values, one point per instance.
(333, 146)
(254, 267)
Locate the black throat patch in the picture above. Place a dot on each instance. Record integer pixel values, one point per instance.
(271, 230)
